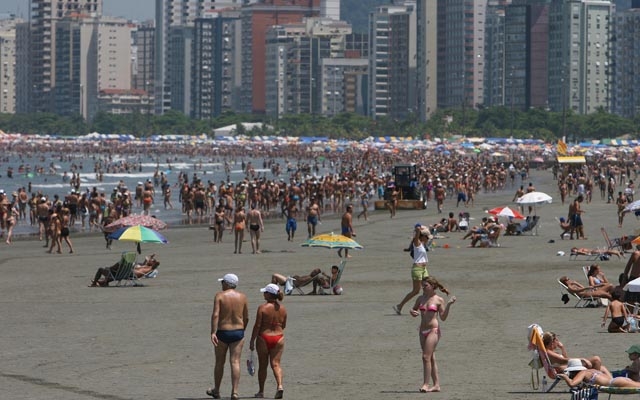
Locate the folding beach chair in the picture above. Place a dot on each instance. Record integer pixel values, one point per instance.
(583, 301)
(532, 225)
(612, 244)
(336, 282)
(125, 270)
(539, 358)
(592, 256)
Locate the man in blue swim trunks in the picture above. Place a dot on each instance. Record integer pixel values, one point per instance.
(313, 217)
(228, 322)
(347, 228)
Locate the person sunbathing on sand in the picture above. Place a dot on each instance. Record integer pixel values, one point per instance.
(603, 290)
(576, 373)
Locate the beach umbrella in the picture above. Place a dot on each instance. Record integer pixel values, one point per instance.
(635, 206)
(506, 212)
(133, 220)
(331, 241)
(534, 198)
(138, 234)
(633, 286)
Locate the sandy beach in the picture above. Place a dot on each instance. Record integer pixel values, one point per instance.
(63, 340)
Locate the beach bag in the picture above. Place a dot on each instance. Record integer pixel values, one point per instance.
(288, 286)
(585, 393)
(535, 362)
(633, 324)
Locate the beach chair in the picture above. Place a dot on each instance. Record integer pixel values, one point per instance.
(593, 256)
(612, 244)
(531, 226)
(293, 284)
(539, 359)
(125, 270)
(336, 282)
(582, 301)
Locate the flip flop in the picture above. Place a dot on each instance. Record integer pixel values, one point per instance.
(213, 393)
(259, 395)
(279, 394)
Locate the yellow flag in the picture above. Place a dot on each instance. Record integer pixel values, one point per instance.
(561, 149)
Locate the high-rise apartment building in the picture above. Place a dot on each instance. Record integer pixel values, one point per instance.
(43, 18)
(625, 98)
(494, 54)
(171, 17)
(8, 65)
(579, 55)
(92, 54)
(143, 37)
(215, 83)
(426, 58)
(24, 87)
(460, 57)
(257, 19)
(392, 41)
(526, 53)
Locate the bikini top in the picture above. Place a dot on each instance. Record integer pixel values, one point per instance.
(430, 307)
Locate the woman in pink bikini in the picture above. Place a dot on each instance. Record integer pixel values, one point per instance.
(429, 306)
(268, 337)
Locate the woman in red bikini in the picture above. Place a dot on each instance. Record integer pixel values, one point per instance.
(429, 306)
(268, 337)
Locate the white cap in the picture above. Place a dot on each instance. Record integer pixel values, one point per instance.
(1, 191)
(231, 279)
(271, 288)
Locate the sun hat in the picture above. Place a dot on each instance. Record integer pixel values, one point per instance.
(231, 279)
(634, 349)
(574, 365)
(271, 288)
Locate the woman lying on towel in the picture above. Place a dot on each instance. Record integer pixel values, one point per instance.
(603, 290)
(583, 251)
(576, 373)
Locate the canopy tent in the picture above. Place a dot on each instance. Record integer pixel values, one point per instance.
(572, 160)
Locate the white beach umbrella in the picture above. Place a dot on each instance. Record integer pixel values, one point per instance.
(534, 198)
(635, 206)
(633, 286)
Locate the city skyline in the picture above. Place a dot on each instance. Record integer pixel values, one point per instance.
(140, 10)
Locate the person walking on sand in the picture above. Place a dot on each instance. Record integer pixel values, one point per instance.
(229, 320)
(254, 218)
(267, 337)
(429, 307)
(347, 228)
(239, 222)
(419, 271)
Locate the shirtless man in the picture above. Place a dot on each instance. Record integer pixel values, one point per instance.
(256, 226)
(291, 213)
(347, 228)
(575, 218)
(229, 320)
(42, 211)
(313, 217)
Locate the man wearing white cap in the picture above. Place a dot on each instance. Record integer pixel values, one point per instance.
(229, 320)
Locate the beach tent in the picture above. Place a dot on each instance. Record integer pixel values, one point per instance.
(572, 160)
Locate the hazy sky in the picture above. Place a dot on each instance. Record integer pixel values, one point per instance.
(130, 9)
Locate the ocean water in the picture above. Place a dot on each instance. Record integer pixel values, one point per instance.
(51, 179)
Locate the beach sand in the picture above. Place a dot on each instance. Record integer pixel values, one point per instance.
(63, 340)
